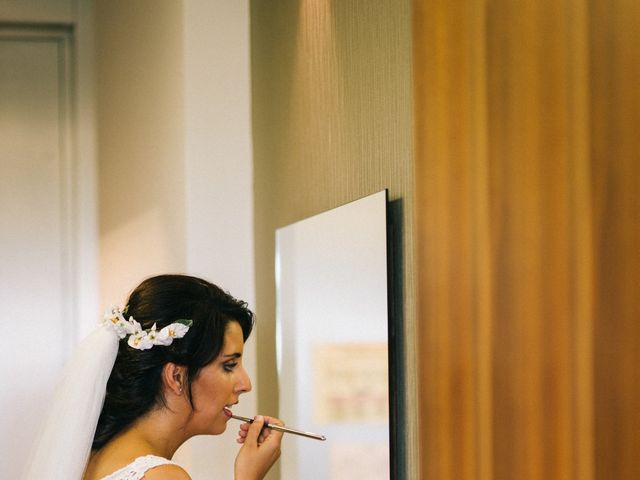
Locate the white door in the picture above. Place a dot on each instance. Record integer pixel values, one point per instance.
(36, 227)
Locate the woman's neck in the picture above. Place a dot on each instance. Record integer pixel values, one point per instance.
(158, 433)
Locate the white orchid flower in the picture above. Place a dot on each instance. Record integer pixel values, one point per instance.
(132, 326)
(113, 315)
(170, 332)
(113, 318)
(121, 329)
(152, 334)
(143, 339)
(140, 341)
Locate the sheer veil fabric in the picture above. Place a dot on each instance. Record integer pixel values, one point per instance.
(64, 443)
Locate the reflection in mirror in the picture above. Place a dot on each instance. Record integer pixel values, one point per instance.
(332, 323)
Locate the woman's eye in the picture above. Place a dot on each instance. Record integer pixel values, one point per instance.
(228, 367)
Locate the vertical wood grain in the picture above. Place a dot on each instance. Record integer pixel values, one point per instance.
(615, 167)
(482, 279)
(581, 241)
(530, 223)
(451, 188)
(528, 230)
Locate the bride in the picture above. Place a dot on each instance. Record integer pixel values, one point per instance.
(162, 369)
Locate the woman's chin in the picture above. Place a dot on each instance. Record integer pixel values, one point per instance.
(219, 426)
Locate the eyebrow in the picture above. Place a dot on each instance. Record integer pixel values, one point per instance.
(232, 355)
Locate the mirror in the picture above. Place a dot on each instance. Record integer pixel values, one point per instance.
(332, 342)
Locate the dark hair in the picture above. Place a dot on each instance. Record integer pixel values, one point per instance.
(135, 384)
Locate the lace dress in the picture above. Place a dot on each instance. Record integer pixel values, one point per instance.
(136, 469)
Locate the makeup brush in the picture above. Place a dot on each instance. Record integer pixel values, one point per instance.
(315, 436)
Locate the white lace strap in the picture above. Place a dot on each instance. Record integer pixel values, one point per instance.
(136, 469)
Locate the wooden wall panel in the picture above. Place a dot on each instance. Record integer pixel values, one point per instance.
(448, 109)
(528, 231)
(615, 163)
(530, 227)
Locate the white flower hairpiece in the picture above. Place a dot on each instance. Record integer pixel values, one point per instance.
(143, 339)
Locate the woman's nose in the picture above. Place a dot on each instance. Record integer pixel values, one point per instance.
(244, 383)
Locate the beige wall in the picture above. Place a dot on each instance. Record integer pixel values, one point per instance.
(332, 122)
(47, 206)
(219, 185)
(140, 142)
(175, 161)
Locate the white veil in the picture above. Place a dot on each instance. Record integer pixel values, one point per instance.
(65, 439)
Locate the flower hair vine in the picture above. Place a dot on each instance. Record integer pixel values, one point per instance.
(143, 339)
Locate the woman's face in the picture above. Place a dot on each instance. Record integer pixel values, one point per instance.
(219, 385)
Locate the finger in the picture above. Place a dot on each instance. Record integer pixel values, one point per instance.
(254, 429)
(274, 421)
(242, 434)
(269, 433)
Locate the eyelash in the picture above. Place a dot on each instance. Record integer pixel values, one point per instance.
(228, 367)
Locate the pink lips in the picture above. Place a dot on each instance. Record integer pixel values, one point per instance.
(227, 412)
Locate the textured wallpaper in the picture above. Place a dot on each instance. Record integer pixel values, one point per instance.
(332, 122)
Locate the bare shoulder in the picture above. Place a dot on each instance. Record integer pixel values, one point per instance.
(167, 472)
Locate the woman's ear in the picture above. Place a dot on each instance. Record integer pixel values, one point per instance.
(174, 378)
